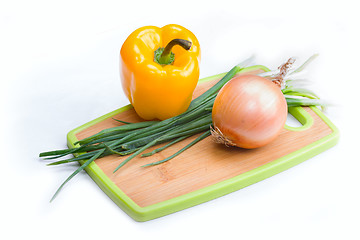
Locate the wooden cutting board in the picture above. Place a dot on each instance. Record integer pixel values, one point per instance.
(205, 171)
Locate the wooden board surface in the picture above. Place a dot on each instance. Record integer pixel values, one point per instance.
(204, 164)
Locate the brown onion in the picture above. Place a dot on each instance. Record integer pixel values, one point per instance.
(249, 112)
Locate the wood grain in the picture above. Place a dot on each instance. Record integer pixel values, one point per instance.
(204, 164)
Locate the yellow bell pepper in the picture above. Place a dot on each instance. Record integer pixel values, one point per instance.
(159, 70)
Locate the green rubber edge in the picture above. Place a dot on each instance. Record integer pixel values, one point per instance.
(302, 116)
(216, 190)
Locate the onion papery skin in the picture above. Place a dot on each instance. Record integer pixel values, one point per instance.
(249, 112)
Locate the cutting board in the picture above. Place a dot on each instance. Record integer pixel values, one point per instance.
(205, 171)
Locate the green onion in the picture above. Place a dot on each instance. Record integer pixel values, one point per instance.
(165, 146)
(134, 138)
(201, 137)
(76, 172)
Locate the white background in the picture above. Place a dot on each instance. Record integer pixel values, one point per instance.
(59, 70)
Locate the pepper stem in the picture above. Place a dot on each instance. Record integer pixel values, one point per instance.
(164, 56)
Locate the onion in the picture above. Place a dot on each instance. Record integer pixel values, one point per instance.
(249, 112)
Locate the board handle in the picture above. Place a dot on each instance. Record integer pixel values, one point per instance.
(300, 114)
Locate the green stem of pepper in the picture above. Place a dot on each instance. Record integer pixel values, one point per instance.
(164, 56)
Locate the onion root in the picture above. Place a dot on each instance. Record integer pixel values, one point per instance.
(219, 137)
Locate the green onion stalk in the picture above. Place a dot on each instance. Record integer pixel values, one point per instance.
(133, 139)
